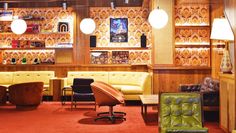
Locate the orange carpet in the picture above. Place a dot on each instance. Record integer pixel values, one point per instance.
(52, 117)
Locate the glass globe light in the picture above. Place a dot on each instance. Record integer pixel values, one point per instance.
(87, 25)
(158, 18)
(18, 26)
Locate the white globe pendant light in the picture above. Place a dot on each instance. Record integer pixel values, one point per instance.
(18, 26)
(158, 18)
(87, 26)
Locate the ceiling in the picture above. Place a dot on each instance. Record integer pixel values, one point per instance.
(53, 3)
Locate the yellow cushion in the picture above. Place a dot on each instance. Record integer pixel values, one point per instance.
(126, 78)
(32, 76)
(95, 75)
(131, 89)
(6, 78)
(234, 131)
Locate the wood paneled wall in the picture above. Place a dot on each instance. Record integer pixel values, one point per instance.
(61, 70)
(168, 79)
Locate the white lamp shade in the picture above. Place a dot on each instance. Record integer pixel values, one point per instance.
(18, 26)
(221, 30)
(158, 18)
(87, 25)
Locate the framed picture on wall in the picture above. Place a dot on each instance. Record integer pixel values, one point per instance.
(118, 30)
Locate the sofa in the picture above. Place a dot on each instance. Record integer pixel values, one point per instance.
(9, 78)
(131, 84)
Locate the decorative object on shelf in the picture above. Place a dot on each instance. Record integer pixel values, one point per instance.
(93, 41)
(143, 41)
(33, 28)
(18, 26)
(99, 57)
(158, 18)
(4, 62)
(36, 61)
(87, 26)
(15, 43)
(13, 61)
(120, 57)
(63, 27)
(221, 30)
(118, 30)
(24, 61)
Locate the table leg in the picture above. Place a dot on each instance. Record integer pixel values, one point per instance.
(145, 109)
(142, 108)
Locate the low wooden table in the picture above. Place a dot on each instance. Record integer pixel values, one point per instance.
(148, 100)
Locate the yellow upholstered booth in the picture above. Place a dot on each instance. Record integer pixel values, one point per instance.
(9, 78)
(131, 84)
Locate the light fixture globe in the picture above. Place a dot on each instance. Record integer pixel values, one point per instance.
(18, 26)
(87, 25)
(158, 18)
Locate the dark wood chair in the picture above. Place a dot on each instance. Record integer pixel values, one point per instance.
(81, 91)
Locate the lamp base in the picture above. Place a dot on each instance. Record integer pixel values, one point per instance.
(226, 65)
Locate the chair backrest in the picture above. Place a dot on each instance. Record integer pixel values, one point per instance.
(180, 110)
(105, 95)
(29, 93)
(82, 85)
(209, 85)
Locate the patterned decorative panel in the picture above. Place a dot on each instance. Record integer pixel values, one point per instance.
(48, 23)
(192, 15)
(30, 55)
(192, 56)
(137, 24)
(196, 36)
(134, 57)
(140, 57)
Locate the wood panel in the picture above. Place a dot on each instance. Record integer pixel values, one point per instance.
(169, 79)
(227, 102)
(61, 70)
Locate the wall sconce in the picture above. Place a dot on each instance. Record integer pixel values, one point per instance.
(64, 5)
(221, 30)
(113, 5)
(158, 18)
(5, 6)
(126, 1)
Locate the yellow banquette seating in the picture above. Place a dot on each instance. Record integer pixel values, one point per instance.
(131, 84)
(10, 78)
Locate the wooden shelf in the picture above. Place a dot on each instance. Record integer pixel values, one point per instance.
(41, 33)
(192, 46)
(192, 26)
(51, 48)
(157, 67)
(117, 48)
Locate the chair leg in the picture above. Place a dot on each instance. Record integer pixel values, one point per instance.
(111, 115)
(114, 113)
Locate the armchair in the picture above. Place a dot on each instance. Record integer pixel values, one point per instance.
(81, 91)
(209, 89)
(26, 94)
(180, 113)
(106, 95)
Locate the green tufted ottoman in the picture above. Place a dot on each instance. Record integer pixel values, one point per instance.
(181, 113)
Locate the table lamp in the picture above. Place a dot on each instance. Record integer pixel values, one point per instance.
(221, 30)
